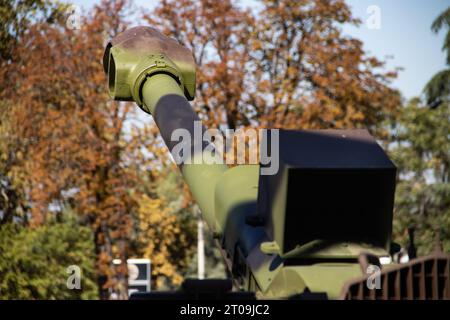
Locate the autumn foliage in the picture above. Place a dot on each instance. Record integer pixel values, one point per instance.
(66, 145)
(287, 66)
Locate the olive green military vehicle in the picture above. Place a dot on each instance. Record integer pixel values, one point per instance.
(318, 227)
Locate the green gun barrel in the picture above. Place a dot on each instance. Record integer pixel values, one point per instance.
(165, 100)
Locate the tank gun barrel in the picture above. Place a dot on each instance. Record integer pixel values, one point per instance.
(165, 100)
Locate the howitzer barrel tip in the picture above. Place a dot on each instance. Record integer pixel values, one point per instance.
(140, 52)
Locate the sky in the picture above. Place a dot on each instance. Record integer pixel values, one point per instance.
(395, 29)
(405, 34)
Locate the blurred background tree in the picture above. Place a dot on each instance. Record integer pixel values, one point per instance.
(289, 65)
(35, 260)
(421, 150)
(65, 144)
(75, 162)
(16, 17)
(438, 88)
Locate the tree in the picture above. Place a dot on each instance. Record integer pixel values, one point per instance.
(438, 88)
(421, 151)
(16, 17)
(287, 66)
(34, 261)
(70, 136)
(67, 145)
(165, 238)
(311, 75)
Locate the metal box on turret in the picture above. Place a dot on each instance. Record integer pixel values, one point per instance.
(332, 186)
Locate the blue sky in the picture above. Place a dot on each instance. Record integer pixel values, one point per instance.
(404, 35)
